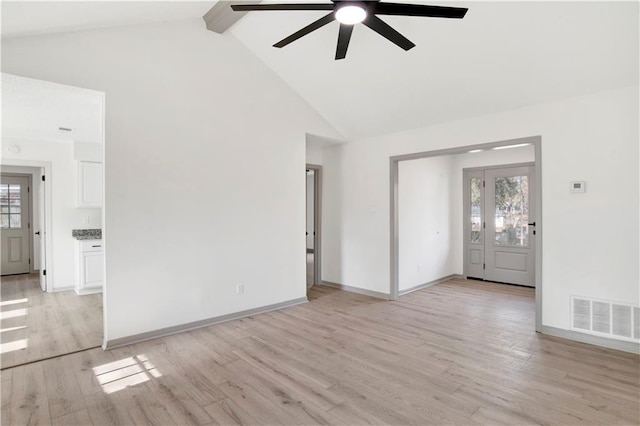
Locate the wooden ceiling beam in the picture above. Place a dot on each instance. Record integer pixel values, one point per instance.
(221, 17)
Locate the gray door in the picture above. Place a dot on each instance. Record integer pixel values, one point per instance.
(509, 239)
(474, 232)
(500, 229)
(14, 225)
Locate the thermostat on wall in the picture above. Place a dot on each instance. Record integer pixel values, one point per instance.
(577, 186)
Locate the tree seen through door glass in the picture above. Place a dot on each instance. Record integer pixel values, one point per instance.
(476, 217)
(512, 211)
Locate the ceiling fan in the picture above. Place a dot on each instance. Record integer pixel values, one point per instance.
(349, 13)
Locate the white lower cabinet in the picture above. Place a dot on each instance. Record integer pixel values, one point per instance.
(91, 267)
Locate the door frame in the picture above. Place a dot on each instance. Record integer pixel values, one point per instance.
(317, 223)
(465, 204)
(394, 161)
(46, 211)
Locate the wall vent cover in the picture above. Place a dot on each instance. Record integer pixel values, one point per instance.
(605, 318)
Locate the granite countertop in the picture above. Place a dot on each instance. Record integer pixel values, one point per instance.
(86, 234)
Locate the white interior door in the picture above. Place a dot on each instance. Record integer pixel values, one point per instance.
(41, 234)
(14, 225)
(500, 226)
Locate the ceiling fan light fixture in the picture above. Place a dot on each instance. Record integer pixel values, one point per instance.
(351, 14)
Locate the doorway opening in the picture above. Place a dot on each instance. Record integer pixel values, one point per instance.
(313, 224)
(43, 314)
(445, 231)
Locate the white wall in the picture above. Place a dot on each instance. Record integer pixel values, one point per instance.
(65, 216)
(424, 220)
(205, 152)
(314, 154)
(592, 138)
(310, 194)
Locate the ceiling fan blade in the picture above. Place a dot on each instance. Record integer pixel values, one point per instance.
(382, 28)
(420, 10)
(291, 6)
(343, 40)
(306, 30)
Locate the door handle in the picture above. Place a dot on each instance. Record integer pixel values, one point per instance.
(531, 224)
(38, 233)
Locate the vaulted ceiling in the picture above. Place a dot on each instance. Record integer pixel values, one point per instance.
(502, 55)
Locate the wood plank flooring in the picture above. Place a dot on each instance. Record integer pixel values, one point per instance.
(460, 352)
(37, 325)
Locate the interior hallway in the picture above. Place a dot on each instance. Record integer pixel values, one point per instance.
(37, 325)
(460, 352)
(310, 260)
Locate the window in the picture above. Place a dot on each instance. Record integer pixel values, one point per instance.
(512, 211)
(10, 206)
(476, 217)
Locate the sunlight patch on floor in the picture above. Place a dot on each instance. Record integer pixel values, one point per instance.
(16, 345)
(13, 302)
(5, 330)
(13, 314)
(126, 372)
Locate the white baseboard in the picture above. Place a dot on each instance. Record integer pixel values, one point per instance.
(88, 291)
(136, 338)
(428, 284)
(620, 345)
(357, 290)
(59, 289)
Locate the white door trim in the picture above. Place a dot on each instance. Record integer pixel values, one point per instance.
(394, 161)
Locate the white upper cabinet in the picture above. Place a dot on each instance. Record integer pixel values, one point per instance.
(89, 184)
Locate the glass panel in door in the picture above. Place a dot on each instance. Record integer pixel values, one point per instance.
(512, 211)
(476, 209)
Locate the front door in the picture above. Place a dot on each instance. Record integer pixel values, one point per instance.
(14, 225)
(501, 226)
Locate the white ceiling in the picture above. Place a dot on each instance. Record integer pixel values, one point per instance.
(502, 55)
(24, 18)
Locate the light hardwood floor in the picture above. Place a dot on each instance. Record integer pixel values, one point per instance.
(460, 352)
(37, 325)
